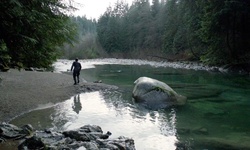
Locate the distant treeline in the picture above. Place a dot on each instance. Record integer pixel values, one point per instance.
(213, 31)
(86, 44)
(36, 33)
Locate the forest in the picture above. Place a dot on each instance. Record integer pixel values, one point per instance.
(215, 32)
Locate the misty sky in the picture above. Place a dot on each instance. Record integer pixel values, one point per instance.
(94, 8)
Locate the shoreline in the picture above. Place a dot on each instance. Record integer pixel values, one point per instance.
(23, 91)
(240, 69)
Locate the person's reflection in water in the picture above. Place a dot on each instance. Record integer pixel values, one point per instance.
(77, 106)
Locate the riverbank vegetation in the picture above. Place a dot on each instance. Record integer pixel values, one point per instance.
(213, 32)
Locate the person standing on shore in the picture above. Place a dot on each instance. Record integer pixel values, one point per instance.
(76, 67)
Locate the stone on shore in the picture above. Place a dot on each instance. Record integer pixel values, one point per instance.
(86, 137)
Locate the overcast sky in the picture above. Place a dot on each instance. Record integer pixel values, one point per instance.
(94, 8)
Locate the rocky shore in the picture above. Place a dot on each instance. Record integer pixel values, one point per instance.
(23, 91)
(87, 137)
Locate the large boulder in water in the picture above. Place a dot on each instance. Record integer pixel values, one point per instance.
(155, 94)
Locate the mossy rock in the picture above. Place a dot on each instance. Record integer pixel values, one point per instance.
(155, 94)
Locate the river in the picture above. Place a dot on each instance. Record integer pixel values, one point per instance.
(216, 115)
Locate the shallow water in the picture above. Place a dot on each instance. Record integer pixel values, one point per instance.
(215, 117)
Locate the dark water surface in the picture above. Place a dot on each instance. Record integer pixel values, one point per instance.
(216, 115)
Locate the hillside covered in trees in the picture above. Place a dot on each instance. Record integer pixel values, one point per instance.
(215, 32)
(36, 33)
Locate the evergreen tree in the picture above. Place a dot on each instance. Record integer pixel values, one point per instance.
(111, 28)
(225, 28)
(171, 26)
(32, 30)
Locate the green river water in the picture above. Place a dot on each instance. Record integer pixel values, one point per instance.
(216, 115)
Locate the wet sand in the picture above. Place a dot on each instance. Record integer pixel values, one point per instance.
(22, 91)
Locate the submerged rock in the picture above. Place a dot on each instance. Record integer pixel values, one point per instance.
(86, 137)
(156, 94)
